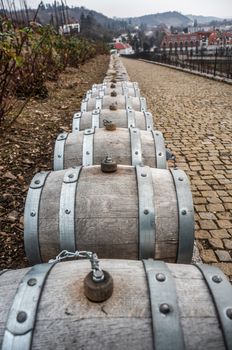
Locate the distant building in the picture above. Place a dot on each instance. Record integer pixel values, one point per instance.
(68, 29)
(124, 49)
(181, 42)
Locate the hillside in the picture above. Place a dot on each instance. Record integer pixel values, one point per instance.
(169, 18)
(204, 19)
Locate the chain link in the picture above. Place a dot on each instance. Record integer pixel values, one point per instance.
(98, 274)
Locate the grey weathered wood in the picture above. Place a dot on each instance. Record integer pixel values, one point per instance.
(115, 143)
(67, 320)
(106, 214)
(119, 117)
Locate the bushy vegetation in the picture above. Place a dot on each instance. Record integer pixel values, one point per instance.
(31, 55)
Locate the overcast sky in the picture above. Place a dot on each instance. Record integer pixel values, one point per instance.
(122, 8)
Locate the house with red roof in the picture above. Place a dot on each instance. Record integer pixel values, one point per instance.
(123, 48)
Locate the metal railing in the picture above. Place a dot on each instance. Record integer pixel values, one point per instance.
(218, 63)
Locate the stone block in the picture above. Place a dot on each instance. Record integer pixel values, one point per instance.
(207, 225)
(219, 233)
(224, 223)
(208, 256)
(223, 255)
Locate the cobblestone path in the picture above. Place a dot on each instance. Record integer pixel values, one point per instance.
(195, 116)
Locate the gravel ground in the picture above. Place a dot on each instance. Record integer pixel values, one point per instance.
(27, 148)
(195, 116)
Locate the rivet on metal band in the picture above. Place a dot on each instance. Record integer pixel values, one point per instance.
(22, 316)
(146, 212)
(130, 118)
(149, 120)
(221, 292)
(87, 155)
(98, 102)
(67, 209)
(31, 218)
(136, 148)
(186, 216)
(96, 118)
(58, 162)
(164, 307)
(159, 149)
(143, 104)
(84, 105)
(76, 122)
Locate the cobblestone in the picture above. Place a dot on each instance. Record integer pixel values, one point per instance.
(195, 116)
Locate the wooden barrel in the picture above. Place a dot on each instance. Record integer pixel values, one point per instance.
(121, 117)
(118, 102)
(122, 84)
(126, 146)
(133, 213)
(121, 90)
(153, 306)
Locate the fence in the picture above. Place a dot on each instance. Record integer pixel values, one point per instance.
(217, 64)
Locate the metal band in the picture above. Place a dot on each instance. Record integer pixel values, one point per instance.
(159, 149)
(149, 120)
(221, 292)
(84, 105)
(87, 156)
(136, 92)
(89, 94)
(96, 118)
(31, 218)
(22, 316)
(3, 271)
(143, 104)
(101, 92)
(76, 122)
(99, 103)
(58, 161)
(186, 216)
(130, 118)
(67, 209)
(167, 330)
(146, 213)
(136, 148)
(128, 102)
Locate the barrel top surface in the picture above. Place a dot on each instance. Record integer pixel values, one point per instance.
(65, 311)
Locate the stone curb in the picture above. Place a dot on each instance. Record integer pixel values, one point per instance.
(204, 75)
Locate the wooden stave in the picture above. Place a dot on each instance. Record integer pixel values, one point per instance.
(118, 117)
(64, 310)
(115, 212)
(116, 143)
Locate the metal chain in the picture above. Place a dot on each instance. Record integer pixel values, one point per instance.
(98, 274)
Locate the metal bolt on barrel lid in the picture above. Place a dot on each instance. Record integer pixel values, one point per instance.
(98, 284)
(108, 165)
(109, 125)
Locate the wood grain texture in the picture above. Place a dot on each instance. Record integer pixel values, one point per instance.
(118, 117)
(66, 319)
(107, 214)
(115, 143)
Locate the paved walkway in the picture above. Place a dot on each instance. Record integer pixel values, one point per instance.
(195, 116)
